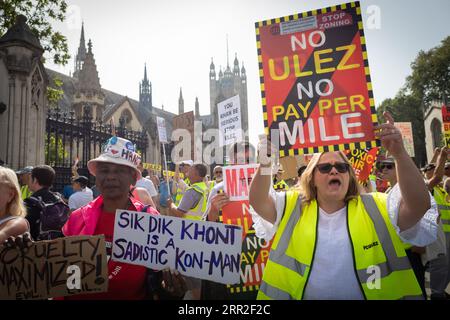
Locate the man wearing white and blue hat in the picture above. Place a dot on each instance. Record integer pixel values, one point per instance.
(115, 171)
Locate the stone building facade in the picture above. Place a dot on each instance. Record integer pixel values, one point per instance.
(23, 105)
(433, 128)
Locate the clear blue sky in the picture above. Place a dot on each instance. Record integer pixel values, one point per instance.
(177, 39)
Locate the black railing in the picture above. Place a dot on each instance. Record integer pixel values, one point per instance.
(68, 138)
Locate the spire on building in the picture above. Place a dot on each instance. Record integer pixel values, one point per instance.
(88, 75)
(220, 73)
(228, 63)
(145, 91)
(236, 66)
(180, 103)
(227, 72)
(212, 71)
(197, 108)
(90, 46)
(145, 72)
(88, 91)
(243, 74)
(81, 53)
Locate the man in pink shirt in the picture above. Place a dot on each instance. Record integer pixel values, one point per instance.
(115, 171)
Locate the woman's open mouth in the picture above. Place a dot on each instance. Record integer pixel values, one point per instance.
(334, 183)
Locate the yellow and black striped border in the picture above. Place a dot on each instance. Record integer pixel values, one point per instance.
(345, 146)
(239, 289)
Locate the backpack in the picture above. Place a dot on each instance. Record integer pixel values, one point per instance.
(53, 217)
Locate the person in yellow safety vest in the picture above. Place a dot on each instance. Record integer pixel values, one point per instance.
(331, 242)
(439, 266)
(373, 181)
(218, 177)
(180, 185)
(193, 203)
(278, 183)
(25, 179)
(387, 171)
(240, 153)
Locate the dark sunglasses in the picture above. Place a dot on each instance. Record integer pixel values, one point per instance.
(382, 166)
(218, 172)
(341, 167)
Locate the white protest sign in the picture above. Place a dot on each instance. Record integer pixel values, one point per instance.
(162, 130)
(237, 180)
(407, 135)
(230, 128)
(199, 249)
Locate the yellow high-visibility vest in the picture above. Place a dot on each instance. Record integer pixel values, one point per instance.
(196, 213)
(180, 192)
(374, 242)
(440, 195)
(25, 192)
(281, 186)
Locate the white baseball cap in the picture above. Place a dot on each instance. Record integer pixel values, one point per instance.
(188, 162)
(118, 151)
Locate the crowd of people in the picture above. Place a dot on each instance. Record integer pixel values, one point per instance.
(327, 229)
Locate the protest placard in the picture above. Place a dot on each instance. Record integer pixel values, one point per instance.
(289, 165)
(446, 124)
(255, 251)
(315, 81)
(162, 133)
(200, 249)
(54, 268)
(237, 180)
(362, 162)
(407, 135)
(230, 127)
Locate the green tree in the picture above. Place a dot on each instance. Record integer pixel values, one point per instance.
(61, 153)
(430, 77)
(40, 16)
(406, 107)
(54, 92)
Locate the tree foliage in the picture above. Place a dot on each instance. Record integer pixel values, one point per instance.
(429, 80)
(61, 153)
(54, 92)
(40, 16)
(430, 77)
(406, 107)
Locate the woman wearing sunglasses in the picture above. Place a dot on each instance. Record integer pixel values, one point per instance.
(333, 242)
(387, 171)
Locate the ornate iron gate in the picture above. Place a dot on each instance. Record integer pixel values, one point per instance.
(68, 138)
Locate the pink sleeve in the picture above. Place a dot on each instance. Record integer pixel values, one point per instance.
(152, 210)
(74, 225)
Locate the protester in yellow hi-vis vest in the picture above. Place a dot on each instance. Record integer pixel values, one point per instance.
(331, 241)
(278, 183)
(193, 202)
(24, 176)
(180, 185)
(218, 177)
(438, 253)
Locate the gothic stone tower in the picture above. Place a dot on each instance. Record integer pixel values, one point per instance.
(145, 92)
(88, 91)
(228, 84)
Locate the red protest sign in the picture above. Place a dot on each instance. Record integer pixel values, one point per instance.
(446, 126)
(237, 180)
(315, 80)
(255, 251)
(362, 161)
